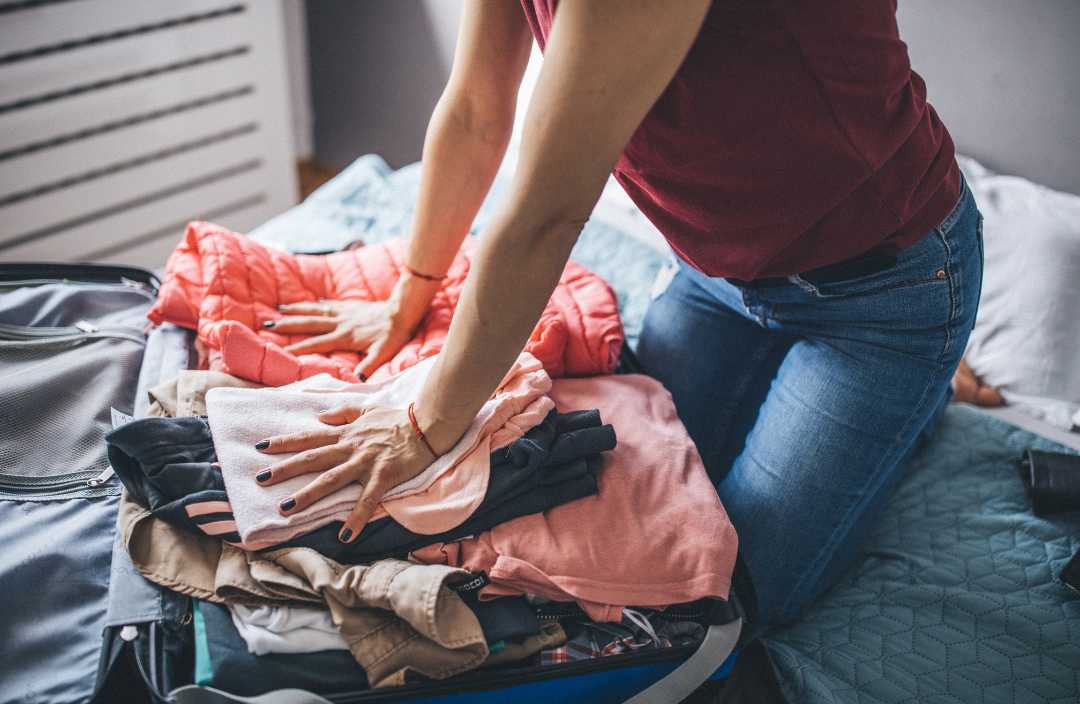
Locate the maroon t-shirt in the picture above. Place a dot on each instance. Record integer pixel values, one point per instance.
(794, 135)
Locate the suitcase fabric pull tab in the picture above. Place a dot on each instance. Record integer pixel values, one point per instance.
(101, 478)
(119, 418)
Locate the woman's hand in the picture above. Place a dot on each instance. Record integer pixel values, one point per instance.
(376, 447)
(378, 329)
(971, 388)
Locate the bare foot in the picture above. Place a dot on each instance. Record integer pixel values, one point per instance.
(971, 389)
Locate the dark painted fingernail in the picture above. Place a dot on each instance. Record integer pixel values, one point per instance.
(281, 308)
(345, 535)
(325, 410)
(269, 324)
(262, 476)
(288, 504)
(262, 444)
(362, 377)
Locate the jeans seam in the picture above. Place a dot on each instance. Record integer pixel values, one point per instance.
(930, 279)
(953, 306)
(749, 372)
(982, 266)
(836, 538)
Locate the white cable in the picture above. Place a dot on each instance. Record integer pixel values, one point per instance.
(641, 622)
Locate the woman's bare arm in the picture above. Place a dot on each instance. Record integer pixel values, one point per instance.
(606, 63)
(465, 143)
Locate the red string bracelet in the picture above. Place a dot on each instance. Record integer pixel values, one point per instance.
(418, 275)
(419, 434)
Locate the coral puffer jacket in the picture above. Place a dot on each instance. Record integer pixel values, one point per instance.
(226, 286)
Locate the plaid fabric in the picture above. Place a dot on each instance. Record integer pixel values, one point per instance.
(596, 639)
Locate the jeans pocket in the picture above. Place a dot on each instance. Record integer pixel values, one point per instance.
(925, 262)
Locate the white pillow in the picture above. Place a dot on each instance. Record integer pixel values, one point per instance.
(1026, 340)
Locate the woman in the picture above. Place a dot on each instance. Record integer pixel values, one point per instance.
(828, 264)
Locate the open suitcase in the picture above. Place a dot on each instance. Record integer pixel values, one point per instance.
(81, 624)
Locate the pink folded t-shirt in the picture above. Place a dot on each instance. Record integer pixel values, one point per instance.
(655, 534)
(436, 500)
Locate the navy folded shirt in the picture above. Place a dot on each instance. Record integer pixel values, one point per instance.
(553, 463)
(239, 672)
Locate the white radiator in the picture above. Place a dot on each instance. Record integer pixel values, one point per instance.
(120, 121)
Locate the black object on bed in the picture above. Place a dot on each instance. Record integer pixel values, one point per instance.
(1053, 479)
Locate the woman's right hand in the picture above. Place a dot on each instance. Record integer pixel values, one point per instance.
(376, 447)
(377, 329)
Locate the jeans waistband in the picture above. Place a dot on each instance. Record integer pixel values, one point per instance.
(841, 271)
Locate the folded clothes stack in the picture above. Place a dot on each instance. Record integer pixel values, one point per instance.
(438, 499)
(538, 507)
(170, 465)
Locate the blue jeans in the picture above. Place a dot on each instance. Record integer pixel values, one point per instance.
(807, 402)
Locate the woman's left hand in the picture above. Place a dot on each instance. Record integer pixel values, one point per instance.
(376, 329)
(373, 446)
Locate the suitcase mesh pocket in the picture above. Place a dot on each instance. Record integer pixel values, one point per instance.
(56, 389)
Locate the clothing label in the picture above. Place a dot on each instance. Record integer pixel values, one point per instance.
(474, 584)
(119, 418)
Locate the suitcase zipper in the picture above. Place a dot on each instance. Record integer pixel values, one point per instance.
(543, 614)
(491, 681)
(150, 286)
(81, 330)
(37, 486)
(100, 479)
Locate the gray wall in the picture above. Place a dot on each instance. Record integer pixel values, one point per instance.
(1005, 77)
(377, 70)
(1003, 74)
(294, 16)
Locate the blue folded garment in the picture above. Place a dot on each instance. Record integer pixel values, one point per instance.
(223, 661)
(553, 463)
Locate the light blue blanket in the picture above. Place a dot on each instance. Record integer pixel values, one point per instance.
(953, 599)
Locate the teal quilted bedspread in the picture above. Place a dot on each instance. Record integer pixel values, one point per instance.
(954, 599)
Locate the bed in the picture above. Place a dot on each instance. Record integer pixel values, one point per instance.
(954, 598)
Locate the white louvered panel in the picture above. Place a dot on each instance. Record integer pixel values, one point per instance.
(159, 248)
(131, 144)
(63, 22)
(69, 203)
(84, 176)
(122, 59)
(139, 99)
(169, 213)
